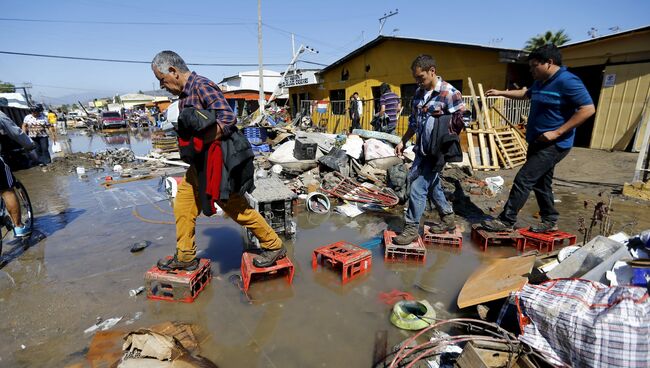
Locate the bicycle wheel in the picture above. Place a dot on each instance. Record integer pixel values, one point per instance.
(26, 213)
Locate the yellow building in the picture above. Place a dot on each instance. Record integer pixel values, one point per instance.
(616, 71)
(388, 59)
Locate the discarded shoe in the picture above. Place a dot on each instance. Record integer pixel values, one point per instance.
(21, 231)
(268, 257)
(407, 236)
(544, 227)
(172, 264)
(496, 225)
(448, 224)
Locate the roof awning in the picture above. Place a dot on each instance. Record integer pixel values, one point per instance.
(245, 95)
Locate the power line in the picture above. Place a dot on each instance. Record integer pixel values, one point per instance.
(126, 23)
(123, 61)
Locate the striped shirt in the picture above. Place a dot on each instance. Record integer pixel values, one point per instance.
(201, 93)
(391, 101)
(36, 127)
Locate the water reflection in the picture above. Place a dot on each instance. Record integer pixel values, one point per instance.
(139, 141)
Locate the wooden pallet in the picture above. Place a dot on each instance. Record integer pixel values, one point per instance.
(487, 157)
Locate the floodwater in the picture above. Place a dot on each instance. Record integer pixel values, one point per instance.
(78, 267)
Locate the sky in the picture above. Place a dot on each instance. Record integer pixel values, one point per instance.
(225, 32)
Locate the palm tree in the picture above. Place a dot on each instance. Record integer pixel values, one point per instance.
(558, 38)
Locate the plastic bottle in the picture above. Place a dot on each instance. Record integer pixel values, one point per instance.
(134, 292)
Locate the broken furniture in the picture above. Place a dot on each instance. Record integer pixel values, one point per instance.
(495, 280)
(347, 189)
(548, 240)
(485, 238)
(248, 269)
(178, 285)
(449, 238)
(274, 201)
(410, 252)
(305, 148)
(352, 259)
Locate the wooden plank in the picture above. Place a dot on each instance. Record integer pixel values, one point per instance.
(471, 151)
(513, 126)
(488, 125)
(495, 280)
(485, 161)
(503, 152)
(479, 115)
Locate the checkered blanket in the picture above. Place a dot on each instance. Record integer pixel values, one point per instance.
(582, 323)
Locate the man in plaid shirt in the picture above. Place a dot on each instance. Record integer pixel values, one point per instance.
(433, 99)
(198, 92)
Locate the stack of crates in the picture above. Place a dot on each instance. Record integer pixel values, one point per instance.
(256, 136)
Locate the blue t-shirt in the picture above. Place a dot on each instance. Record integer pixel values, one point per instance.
(553, 102)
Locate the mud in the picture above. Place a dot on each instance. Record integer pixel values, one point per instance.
(79, 267)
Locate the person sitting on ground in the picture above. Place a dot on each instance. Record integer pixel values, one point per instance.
(437, 118)
(7, 181)
(209, 140)
(559, 104)
(36, 126)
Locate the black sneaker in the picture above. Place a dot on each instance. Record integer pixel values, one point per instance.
(173, 264)
(496, 225)
(407, 236)
(268, 257)
(544, 227)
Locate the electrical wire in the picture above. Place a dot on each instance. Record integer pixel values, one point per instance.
(166, 24)
(125, 61)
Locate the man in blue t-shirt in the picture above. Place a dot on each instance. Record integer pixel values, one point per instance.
(559, 104)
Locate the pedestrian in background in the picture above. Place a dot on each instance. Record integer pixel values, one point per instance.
(390, 106)
(356, 109)
(38, 128)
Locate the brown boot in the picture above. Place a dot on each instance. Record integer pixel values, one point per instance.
(448, 224)
(408, 236)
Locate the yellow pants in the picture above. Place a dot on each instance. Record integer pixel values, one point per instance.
(186, 209)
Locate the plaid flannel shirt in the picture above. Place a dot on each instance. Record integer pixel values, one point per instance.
(201, 93)
(446, 99)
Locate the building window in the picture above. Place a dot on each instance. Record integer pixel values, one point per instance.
(337, 99)
(407, 91)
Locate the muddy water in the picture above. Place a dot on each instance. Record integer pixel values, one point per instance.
(82, 269)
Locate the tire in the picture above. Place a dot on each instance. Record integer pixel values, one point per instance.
(26, 212)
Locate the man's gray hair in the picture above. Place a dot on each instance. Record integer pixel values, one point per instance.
(164, 59)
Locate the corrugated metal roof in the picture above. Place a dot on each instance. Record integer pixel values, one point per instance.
(619, 34)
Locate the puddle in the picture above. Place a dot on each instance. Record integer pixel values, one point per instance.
(83, 269)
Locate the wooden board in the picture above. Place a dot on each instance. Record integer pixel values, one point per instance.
(496, 280)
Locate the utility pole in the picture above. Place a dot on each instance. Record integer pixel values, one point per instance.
(382, 20)
(259, 54)
(293, 46)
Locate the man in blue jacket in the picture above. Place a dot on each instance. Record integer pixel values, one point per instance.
(559, 104)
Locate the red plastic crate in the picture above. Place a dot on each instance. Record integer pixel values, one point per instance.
(449, 238)
(548, 240)
(353, 259)
(485, 238)
(177, 286)
(415, 251)
(248, 269)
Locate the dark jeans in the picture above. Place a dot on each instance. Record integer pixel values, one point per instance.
(356, 124)
(43, 150)
(536, 174)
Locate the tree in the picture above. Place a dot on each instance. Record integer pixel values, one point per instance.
(558, 38)
(7, 87)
